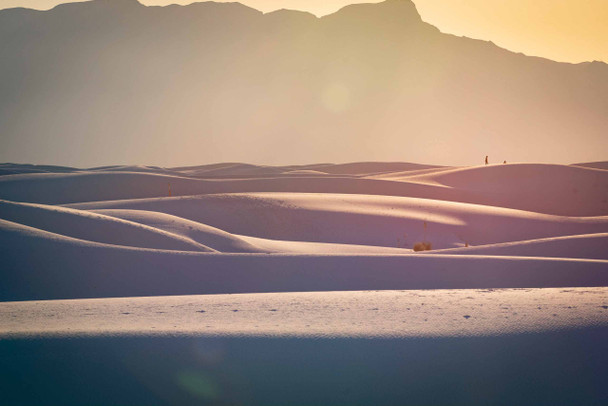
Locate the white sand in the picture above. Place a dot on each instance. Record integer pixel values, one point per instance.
(360, 238)
(550, 189)
(371, 314)
(298, 284)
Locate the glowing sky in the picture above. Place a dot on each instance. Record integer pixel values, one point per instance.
(562, 30)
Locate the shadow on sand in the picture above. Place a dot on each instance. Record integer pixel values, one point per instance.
(558, 368)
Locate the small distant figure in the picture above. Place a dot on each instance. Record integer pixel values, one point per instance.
(486, 159)
(504, 162)
(169, 183)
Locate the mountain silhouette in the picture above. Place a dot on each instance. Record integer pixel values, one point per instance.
(110, 81)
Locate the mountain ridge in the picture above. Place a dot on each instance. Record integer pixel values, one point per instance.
(225, 82)
(410, 4)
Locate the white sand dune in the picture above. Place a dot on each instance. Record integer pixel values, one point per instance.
(136, 168)
(556, 189)
(372, 314)
(404, 175)
(305, 172)
(306, 247)
(386, 221)
(223, 241)
(549, 189)
(209, 236)
(38, 265)
(299, 284)
(358, 348)
(572, 246)
(123, 225)
(596, 165)
(374, 168)
(94, 227)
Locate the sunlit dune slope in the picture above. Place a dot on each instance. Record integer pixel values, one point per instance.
(361, 219)
(201, 233)
(362, 314)
(596, 165)
(223, 241)
(549, 189)
(557, 189)
(572, 246)
(95, 227)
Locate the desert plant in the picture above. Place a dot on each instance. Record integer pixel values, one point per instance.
(423, 246)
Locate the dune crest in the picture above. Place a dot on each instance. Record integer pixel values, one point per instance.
(227, 228)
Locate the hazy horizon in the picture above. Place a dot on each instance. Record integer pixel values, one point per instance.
(564, 31)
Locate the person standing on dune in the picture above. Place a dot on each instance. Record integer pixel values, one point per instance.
(486, 159)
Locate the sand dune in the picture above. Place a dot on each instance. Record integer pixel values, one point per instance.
(574, 246)
(556, 189)
(223, 241)
(236, 283)
(227, 275)
(40, 267)
(361, 219)
(94, 227)
(595, 165)
(548, 189)
(355, 227)
(201, 233)
(364, 314)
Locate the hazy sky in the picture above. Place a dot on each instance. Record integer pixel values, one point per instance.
(563, 30)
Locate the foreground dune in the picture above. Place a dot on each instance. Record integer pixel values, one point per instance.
(41, 268)
(208, 284)
(524, 347)
(371, 314)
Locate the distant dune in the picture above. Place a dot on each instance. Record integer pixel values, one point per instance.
(596, 165)
(548, 189)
